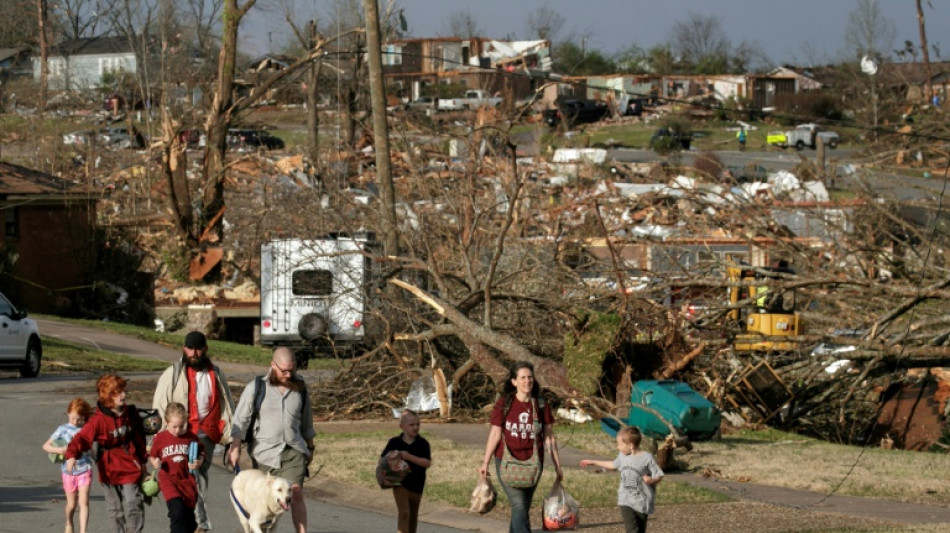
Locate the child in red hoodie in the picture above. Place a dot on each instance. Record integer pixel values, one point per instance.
(170, 456)
(117, 430)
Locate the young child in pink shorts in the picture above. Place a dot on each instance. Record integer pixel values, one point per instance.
(76, 482)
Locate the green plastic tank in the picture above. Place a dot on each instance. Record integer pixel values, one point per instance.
(653, 402)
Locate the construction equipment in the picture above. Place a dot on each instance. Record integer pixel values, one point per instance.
(772, 325)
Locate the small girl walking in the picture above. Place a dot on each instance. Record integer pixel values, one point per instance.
(171, 455)
(76, 481)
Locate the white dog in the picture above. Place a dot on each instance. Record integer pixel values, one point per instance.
(259, 499)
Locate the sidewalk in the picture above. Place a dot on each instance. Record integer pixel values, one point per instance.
(474, 435)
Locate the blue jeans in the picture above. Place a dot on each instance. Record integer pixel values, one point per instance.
(520, 500)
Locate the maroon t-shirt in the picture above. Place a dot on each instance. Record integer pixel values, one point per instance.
(517, 429)
(174, 478)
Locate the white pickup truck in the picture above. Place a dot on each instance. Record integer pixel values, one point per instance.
(472, 99)
(803, 135)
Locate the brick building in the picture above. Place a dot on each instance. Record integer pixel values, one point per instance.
(47, 245)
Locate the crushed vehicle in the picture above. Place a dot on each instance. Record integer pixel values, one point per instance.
(20, 346)
(121, 137)
(314, 296)
(803, 135)
(472, 99)
(575, 111)
(249, 140)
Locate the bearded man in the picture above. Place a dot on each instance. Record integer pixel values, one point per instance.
(197, 383)
(282, 431)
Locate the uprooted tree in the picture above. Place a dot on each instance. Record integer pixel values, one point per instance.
(496, 264)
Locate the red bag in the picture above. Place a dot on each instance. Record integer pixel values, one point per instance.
(560, 510)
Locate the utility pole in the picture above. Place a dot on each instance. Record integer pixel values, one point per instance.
(384, 175)
(313, 119)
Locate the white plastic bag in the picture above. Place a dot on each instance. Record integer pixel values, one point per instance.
(560, 510)
(484, 496)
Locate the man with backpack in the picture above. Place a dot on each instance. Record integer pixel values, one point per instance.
(274, 418)
(195, 382)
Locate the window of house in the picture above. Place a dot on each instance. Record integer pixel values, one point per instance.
(111, 64)
(392, 55)
(57, 67)
(12, 216)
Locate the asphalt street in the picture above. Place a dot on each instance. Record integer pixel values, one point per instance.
(31, 494)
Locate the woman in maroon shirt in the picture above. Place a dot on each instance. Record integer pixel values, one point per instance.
(513, 425)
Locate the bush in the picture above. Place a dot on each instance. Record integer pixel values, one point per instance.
(805, 107)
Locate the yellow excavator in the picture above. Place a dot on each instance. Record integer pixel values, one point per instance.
(773, 324)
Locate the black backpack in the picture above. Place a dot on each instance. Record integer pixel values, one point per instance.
(259, 390)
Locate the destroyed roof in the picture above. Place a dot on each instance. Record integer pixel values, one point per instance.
(93, 46)
(11, 53)
(17, 180)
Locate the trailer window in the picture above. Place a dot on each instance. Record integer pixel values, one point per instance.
(313, 283)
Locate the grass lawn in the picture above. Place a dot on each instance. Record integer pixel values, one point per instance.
(352, 457)
(221, 351)
(62, 356)
(773, 457)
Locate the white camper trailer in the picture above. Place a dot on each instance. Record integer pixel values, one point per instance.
(313, 293)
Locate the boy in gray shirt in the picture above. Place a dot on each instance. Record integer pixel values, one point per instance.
(639, 475)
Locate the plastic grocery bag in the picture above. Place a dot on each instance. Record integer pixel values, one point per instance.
(560, 510)
(391, 470)
(484, 496)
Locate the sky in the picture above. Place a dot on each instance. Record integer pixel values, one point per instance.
(799, 32)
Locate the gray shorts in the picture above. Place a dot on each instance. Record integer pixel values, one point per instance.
(293, 466)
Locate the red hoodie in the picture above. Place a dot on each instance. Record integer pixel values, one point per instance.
(121, 441)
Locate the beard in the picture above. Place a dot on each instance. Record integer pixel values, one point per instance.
(200, 363)
(294, 383)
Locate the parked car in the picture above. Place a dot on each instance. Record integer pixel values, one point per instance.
(248, 140)
(79, 138)
(575, 111)
(803, 135)
(20, 345)
(121, 137)
(190, 137)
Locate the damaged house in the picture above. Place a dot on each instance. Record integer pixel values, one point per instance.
(417, 67)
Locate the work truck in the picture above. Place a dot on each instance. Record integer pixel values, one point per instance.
(472, 99)
(314, 294)
(803, 135)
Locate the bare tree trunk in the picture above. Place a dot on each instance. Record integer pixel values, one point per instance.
(220, 115)
(174, 163)
(928, 86)
(349, 100)
(43, 13)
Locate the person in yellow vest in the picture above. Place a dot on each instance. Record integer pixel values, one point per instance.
(195, 382)
(761, 297)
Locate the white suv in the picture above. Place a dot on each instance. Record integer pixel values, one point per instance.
(20, 345)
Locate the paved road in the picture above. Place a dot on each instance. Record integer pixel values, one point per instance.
(31, 498)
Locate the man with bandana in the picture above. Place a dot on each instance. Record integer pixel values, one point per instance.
(197, 383)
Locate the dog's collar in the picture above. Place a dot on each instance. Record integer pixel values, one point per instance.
(246, 514)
